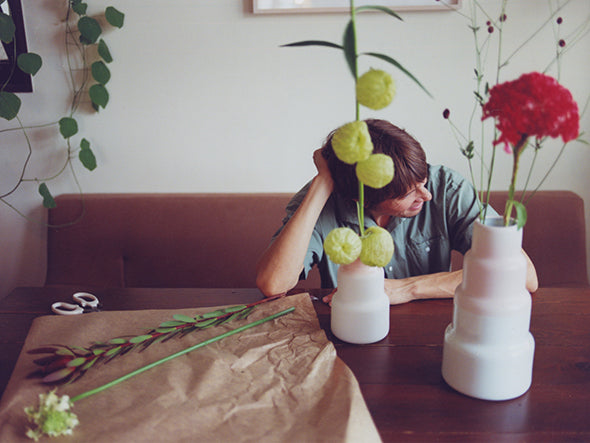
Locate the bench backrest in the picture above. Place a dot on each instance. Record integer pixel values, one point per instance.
(214, 240)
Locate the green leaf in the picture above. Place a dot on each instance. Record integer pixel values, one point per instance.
(78, 7)
(89, 29)
(86, 155)
(58, 375)
(232, 317)
(99, 95)
(165, 330)
(171, 324)
(29, 63)
(521, 214)
(9, 105)
(49, 203)
(103, 51)
(246, 312)
(140, 338)
(76, 362)
(212, 314)
(89, 364)
(206, 323)
(379, 8)
(234, 308)
(7, 28)
(100, 72)
(399, 66)
(349, 46)
(117, 341)
(114, 17)
(112, 352)
(313, 43)
(65, 351)
(68, 127)
(183, 318)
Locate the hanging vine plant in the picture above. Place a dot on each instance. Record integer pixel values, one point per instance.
(84, 47)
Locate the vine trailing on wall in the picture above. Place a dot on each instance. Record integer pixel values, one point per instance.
(85, 49)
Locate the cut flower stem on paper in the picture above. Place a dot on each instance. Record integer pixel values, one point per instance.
(54, 417)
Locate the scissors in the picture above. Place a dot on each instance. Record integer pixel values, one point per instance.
(85, 302)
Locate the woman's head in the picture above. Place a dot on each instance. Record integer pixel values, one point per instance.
(409, 162)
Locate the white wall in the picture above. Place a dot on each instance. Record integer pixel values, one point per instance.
(203, 99)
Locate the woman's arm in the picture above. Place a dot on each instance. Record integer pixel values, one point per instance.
(437, 285)
(440, 285)
(281, 264)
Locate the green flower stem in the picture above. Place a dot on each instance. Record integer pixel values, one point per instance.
(517, 151)
(361, 208)
(178, 354)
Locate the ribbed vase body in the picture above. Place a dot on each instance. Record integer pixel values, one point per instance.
(488, 349)
(360, 308)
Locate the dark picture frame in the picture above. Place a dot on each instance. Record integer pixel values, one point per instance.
(11, 76)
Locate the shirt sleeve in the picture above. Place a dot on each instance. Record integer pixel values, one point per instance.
(463, 210)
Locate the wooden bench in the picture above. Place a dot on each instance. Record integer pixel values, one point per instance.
(214, 240)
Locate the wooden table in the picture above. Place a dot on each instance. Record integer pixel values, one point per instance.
(400, 377)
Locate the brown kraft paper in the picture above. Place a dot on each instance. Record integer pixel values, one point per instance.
(277, 382)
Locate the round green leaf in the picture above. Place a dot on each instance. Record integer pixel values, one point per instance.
(89, 29)
(99, 95)
(103, 51)
(29, 63)
(9, 105)
(49, 202)
(87, 158)
(100, 72)
(114, 17)
(78, 7)
(7, 28)
(68, 127)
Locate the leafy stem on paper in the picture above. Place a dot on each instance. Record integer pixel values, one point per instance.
(69, 363)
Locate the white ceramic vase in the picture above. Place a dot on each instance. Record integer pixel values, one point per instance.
(488, 349)
(360, 307)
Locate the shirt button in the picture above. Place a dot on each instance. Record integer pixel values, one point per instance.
(427, 249)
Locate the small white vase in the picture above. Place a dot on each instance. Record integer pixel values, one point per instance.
(488, 349)
(360, 307)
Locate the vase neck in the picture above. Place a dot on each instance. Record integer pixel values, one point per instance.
(494, 238)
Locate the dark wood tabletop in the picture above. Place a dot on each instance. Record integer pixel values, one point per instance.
(400, 376)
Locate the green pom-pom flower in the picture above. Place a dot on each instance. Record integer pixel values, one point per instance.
(377, 247)
(352, 142)
(375, 89)
(53, 418)
(376, 171)
(342, 245)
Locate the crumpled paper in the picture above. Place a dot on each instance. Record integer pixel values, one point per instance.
(277, 382)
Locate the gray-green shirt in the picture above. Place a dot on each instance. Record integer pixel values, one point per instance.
(423, 243)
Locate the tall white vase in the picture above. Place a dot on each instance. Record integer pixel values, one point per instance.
(360, 307)
(488, 349)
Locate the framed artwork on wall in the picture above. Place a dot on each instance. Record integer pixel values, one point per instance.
(316, 6)
(13, 78)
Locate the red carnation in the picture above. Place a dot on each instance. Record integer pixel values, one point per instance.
(533, 105)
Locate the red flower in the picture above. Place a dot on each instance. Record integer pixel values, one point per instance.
(533, 105)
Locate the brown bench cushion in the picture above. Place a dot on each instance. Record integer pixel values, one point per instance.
(214, 240)
(161, 240)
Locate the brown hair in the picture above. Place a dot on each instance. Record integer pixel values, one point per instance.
(409, 160)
